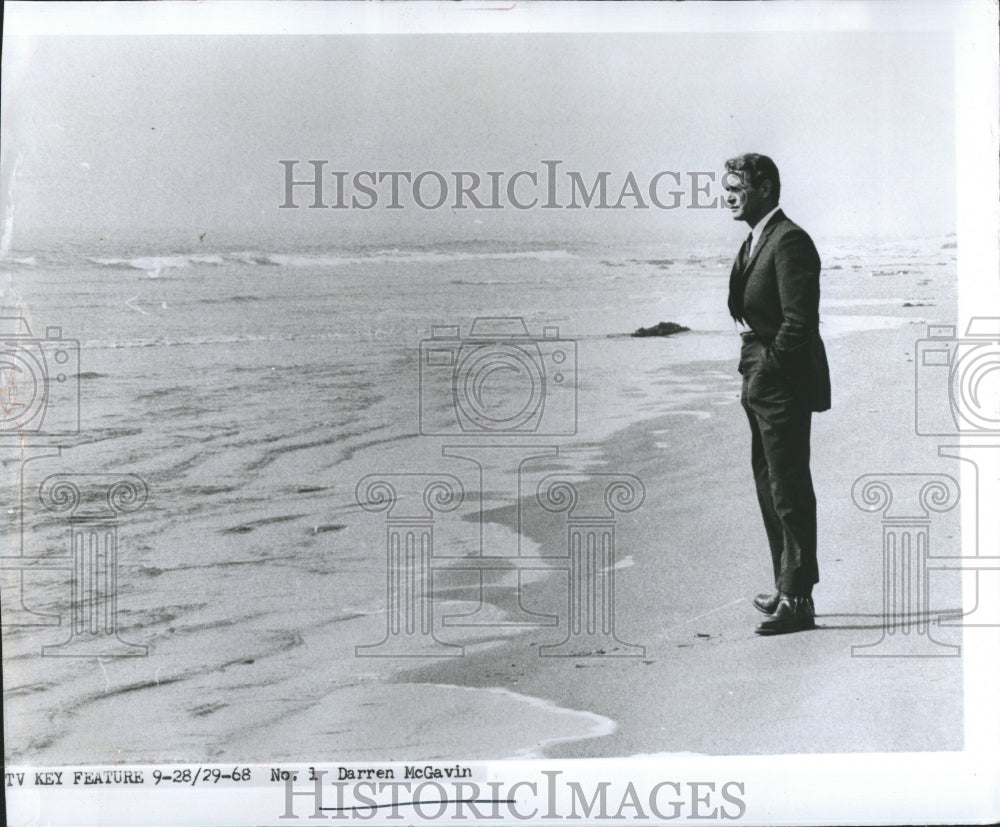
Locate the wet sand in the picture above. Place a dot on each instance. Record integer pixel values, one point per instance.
(695, 554)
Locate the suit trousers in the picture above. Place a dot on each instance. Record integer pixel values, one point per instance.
(780, 421)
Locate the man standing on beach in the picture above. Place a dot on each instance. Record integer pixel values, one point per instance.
(774, 297)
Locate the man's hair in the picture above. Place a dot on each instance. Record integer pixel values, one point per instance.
(757, 168)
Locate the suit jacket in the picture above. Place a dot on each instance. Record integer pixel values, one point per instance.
(777, 294)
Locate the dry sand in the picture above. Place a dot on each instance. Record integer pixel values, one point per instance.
(696, 554)
(280, 680)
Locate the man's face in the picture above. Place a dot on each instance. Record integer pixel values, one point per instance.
(745, 201)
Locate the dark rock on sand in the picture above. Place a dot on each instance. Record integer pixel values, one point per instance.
(661, 329)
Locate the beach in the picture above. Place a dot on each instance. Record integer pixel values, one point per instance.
(254, 391)
(705, 682)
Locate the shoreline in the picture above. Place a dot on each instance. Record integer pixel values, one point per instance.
(696, 630)
(282, 641)
(705, 683)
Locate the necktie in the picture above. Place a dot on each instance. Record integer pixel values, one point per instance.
(736, 283)
(745, 251)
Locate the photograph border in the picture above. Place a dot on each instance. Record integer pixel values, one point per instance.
(873, 788)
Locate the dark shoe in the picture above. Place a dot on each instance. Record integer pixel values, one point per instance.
(766, 603)
(793, 614)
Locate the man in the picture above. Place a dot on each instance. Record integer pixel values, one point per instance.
(774, 295)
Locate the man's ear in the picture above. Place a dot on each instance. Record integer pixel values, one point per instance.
(767, 188)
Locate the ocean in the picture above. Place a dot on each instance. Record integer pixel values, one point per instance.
(252, 390)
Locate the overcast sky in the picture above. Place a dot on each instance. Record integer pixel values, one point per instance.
(182, 135)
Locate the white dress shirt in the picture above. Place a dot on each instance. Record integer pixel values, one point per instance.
(758, 228)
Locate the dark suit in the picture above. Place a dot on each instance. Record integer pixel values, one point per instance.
(775, 290)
